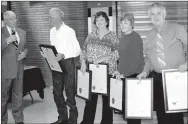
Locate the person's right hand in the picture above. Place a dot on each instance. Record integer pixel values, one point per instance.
(11, 39)
(42, 54)
(83, 67)
(142, 75)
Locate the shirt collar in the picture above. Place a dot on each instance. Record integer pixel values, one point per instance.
(63, 25)
(162, 29)
(9, 29)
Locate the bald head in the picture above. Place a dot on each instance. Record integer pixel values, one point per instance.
(56, 12)
(9, 15)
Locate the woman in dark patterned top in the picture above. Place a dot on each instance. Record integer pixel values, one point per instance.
(100, 47)
(131, 54)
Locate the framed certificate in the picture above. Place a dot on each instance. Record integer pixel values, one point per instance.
(83, 84)
(99, 78)
(175, 91)
(139, 98)
(50, 53)
(116, 93)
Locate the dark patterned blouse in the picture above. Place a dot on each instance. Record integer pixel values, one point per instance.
(94, 48)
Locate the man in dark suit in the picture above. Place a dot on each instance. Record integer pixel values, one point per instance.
(13, 51)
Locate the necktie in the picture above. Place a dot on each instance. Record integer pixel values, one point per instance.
(15, 42)
(160, 51)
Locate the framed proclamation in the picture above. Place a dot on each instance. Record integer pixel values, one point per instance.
(175, 91)
(50, 53)
(83, 84)
(99, 78)
(116, 93)
(139, 98)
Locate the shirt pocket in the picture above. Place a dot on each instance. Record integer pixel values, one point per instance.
(175, 44)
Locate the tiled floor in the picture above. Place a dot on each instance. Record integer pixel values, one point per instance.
(44, 111)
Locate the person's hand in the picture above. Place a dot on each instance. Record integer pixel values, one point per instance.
(117, 75)
(11, 39)
(142, 75)
(83, 67)
(183, 67)
(21, 56)
(42, 54)
(96, 62)
(59, 56)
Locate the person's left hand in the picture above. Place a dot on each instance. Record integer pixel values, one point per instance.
(59, 56)
(183, 67)
(21, 56)
(117, 75)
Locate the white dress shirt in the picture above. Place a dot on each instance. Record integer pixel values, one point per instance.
(10, 32)
(65, 41)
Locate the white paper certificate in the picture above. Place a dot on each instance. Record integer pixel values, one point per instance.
(175, 91)
(138, 98)
(116, 92)
(99, 78)
(83, 84)
(50, 57)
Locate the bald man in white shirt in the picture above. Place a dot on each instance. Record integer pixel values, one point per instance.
(64, 39)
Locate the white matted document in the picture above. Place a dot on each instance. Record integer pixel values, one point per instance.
(50, 52)
(116, 93)
(139, 98)
(99, 78)
(175, 90)
(83, 84)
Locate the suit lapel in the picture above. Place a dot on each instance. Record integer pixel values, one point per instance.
(20, 36)
(5, 31)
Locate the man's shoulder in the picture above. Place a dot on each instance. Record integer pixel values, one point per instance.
(3, 28)
(174, 26)
(21, 30)
(68, 28)
(136, 35)
(52, 29)
(151, 32)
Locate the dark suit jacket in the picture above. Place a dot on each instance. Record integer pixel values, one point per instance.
(11, 67)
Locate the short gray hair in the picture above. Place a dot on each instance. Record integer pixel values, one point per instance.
(8, 15)
(157, 5)
(57, 12)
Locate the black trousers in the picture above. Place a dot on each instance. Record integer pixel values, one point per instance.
(129, 121)
(90, 110)
(162, 117)
(61, 81)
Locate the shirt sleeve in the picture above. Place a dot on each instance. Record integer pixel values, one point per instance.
(3, 42)
(74, 46)
(83, 55)
(147, 66)
(182, 36)
(51, 37)
(115, 44)
(139, 57)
